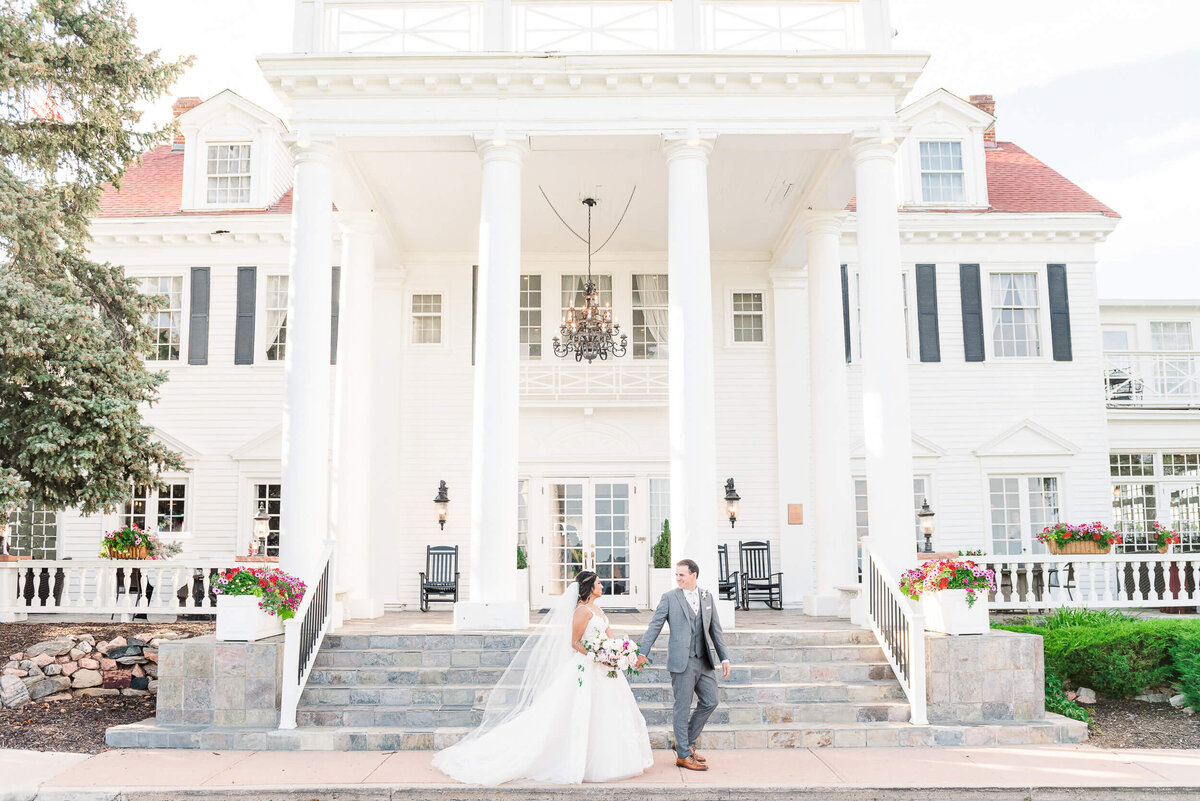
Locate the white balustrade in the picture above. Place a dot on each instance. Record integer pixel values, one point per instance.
(789, 25)
(607, 382)
(899, 628)
(1152, 379)
(108, 587)
(616, 25)
(1120, 581)
(411, 26)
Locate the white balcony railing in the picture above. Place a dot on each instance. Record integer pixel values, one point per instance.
(1125, 581)
(631, 382)
(581, 26)
(1152, 379)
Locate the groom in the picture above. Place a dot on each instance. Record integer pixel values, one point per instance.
(693, 652)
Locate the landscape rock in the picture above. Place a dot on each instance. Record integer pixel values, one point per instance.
(51, 647)
(116, 678)
(1085, 695)
(1071, 696)
(59, 697)
(88, 638)
(136, 641)
(117, 642)
(76, 654)
(93, 692)
(14, 672)
(13, 692)
(151, 654)
(1178, 701)
(70, 668)
(85, 646)
(86, 678)
(131, 660)
(17, 657)
(139, 683)
(41, 660)
(64, 659)
(89, 664)
(130, 691)
(49, 686)
(53, 670)
(108, 664)
(121, 651)
(12, 664)
(137, 671)
(1187, 710)
(152, 686)
(1153, 698)
(102, 646)
(150, 670)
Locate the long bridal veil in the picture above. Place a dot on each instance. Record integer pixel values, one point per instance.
(545, 655)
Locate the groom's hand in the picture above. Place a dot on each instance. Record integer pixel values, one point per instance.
(724, 670)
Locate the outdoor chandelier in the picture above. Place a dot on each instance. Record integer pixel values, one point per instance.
(589, 332)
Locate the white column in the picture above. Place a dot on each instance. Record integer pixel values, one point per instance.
(497, 25)
(687, 25)
(306, 404)
(494, 600)
(887, 422)
(877, 25)
(790, 317)
(832, 522)
(696, 494)
(353, 415)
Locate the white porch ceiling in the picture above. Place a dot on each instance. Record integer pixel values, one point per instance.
(428, 191)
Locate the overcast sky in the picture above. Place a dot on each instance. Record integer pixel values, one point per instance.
(1107, 92)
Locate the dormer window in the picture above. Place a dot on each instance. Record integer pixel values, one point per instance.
(228, 174)
(942, 173)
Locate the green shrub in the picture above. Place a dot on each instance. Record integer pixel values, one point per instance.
(1185, 654)
(662, 548)
(1065, 616)
(522, 562)
(1057, 701)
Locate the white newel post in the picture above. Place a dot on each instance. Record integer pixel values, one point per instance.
(790, 318)
(353, 410)
(494, 600)
(887, 421)
(696, 495)
(306, 405)
(832, 488)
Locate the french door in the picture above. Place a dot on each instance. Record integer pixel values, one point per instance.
(590, 529)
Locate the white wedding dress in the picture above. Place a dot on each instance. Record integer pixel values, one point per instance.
(559, 724)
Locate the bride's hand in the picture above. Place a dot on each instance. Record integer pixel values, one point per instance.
(641, 660)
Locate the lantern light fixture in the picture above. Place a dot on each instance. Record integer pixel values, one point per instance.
(442, 502)
(925, 518)
(262, 527)
(732, 499)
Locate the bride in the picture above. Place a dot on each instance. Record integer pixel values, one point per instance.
(547, 720)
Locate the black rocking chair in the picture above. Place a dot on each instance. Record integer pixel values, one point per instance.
(758, 583)
(727, 583)
(439, 582)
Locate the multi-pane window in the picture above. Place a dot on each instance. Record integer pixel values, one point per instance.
(942, 172)
(268, 495)
(660, 506)
(33, 531)
(165, 323)
(276, 309)
(1171, 336)
(228, 174)
(1135, 507)
(1131, 464)
(649, 316)
(531, 316)
(574, 286)
(163, 509)
(1173, 375)
(1181, 464)
(1151, 487)
(748, 317)
(1015, 327)
(1020, 507)
(922, 489)
(427, 319)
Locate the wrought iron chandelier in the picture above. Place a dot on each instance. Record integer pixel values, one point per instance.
(590, 332)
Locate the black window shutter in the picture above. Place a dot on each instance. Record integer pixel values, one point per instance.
(927, 313)
(243, 344)
(198, 317)
(972, 312)
(335, 307)
(1060, 311)
(846, 311)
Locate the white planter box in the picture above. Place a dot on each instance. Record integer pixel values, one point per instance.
(239, 619)
(662, 580)
(946, 611)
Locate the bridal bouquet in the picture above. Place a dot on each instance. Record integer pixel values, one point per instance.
(614, 654)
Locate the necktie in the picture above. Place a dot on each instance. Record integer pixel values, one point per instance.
(694, 601)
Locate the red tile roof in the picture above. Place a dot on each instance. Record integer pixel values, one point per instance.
(154, 188)
(1019, 183)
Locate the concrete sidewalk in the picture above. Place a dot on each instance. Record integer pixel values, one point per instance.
(863, 774)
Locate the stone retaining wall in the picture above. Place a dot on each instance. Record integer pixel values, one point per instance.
(202, 681)
(998, 676)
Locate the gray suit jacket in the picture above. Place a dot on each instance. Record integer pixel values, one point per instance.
(676, 612)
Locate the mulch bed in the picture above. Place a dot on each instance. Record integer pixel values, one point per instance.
(77, 724)
(1137, 724)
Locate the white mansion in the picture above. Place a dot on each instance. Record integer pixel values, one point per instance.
(826, 285)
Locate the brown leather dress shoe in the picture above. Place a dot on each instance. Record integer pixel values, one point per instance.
(690, 763)
(696, 756)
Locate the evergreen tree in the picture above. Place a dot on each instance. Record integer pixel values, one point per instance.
(73, 332)
(662, 548)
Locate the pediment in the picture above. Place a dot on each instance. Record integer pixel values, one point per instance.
(174, 443)
(265, 447)
(945, 107)
(922, 448)
(226, 107)
(1027, 438)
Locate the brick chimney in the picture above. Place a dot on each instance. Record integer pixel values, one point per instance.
(181, 105)
(988, 104)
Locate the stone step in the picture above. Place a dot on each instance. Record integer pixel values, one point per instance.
(355, 676)
(483, 657)
(1054, 729)
(449, 642)
(660, 713)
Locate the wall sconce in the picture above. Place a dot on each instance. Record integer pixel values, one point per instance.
(262, 527)
(442, 502)
(731, 501)
(925, 518)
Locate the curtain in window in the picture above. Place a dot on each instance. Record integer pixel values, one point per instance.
(1015, 314)
(652, 290)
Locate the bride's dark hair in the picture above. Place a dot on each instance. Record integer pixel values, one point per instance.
(587, 580)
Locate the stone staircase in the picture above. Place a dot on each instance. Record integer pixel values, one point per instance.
(825, 684)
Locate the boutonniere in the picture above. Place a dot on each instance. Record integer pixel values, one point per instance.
(703, 593)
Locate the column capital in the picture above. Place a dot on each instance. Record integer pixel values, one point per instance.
(497, 146)
(358, 222)
(829, 222)
(688, 146)
(880, 143)
(319, 151)
(787, 278)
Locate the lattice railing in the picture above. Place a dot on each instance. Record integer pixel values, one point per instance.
(607, 381)
(1152, 379)
(796, 25)
(616, 25)
(412, 26)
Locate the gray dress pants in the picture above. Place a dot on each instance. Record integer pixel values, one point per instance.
(699, 679)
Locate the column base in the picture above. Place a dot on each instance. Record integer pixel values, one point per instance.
(497, 616)
(363, 608)
(725, 613)
(825, 606)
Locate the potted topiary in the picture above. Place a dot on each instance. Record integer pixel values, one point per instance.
(252, 603)
(1087, 538)
(948, 591)
(662, 577)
